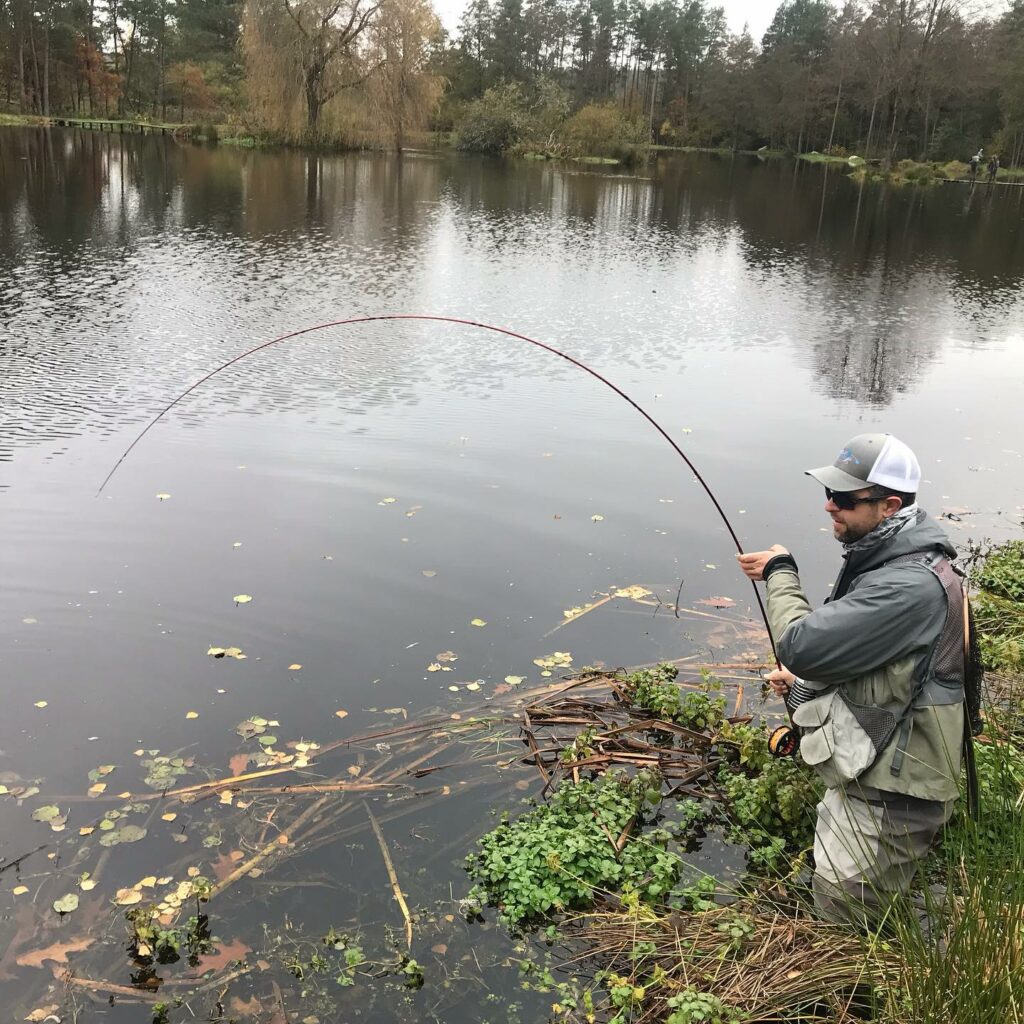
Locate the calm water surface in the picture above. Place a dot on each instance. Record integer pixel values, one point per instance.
(762, 312)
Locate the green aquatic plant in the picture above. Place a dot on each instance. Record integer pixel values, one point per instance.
(588, 839)
(770, 801)
(654, 691)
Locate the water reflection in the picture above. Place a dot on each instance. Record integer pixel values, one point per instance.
(129, 263)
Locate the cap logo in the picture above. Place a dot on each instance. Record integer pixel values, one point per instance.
(846, 456)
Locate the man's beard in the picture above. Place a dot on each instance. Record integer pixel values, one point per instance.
(851, 534)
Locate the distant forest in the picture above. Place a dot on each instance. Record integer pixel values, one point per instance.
(894, 79)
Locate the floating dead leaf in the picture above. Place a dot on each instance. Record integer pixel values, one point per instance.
(251, 727)
(397, 711)
(242, 598)
(412, 511)
(58, 953)
(191, 714)
(440, 949)
(522, 784)
(41, 1013)
(634, 593)
(227, 952)
(193, 872)
(717, 602)
(480, 623)
(96, 789)
(447, 656)
(354, 770)
(47, 813)
(251, 1008)
(227, 797)
(429, 573)
(127, 897)
(66, 904)
(434, 667)
(341, 713)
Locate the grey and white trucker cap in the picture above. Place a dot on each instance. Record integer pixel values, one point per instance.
(871, 459)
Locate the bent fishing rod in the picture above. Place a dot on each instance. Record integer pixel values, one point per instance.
(423, 317)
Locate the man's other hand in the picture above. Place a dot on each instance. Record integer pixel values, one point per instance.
(780, 680)
(753, 562)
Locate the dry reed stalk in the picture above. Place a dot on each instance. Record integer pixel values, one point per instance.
(392, 876)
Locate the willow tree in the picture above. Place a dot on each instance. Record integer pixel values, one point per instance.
(318, 46)
(402, 92)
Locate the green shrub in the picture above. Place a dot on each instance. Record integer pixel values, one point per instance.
(494, 122)
(603, 129)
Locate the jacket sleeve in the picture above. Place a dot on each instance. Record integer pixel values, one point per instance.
(889, 615)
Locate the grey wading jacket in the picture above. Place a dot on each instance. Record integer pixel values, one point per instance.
(870, 650)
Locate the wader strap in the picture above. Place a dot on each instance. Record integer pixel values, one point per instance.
(901, 746)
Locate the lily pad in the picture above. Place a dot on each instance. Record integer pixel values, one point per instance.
(66, 904)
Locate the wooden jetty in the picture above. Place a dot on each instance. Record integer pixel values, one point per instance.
(103, 124)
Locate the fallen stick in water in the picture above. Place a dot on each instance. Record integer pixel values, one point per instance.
(392, 877)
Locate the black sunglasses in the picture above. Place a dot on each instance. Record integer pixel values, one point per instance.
(844, 499)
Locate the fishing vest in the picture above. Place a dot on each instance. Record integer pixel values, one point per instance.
(843, 739)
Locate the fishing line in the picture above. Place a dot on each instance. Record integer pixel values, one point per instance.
(465, 323)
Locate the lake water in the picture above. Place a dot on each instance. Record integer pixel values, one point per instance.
(375, 488)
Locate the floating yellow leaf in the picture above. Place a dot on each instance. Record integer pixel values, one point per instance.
(242, 598)
(454, 689)
(87, 830)
(148, 882)
(169, 816)
(477, 622)
(19, 890)
(193, 872)
(634, 593)
(354, 770)
(447, 656)
(41, 703)
(472, 686)
(514, 680)
(127, 897)
(227, 797)
(341, 714)
(162, 496)
(216, 652)
(387, 501)
(294, 668)
(191, 714)
(434, 667)
(597, 518)
(96, 789)
(429, 573)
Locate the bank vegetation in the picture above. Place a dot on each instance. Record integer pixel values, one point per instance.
(927, 80)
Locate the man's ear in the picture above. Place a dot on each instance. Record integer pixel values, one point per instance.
(892, 506)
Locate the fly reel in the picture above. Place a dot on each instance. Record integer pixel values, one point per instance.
(783, 742)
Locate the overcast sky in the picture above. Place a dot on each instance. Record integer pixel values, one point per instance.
(758, 13)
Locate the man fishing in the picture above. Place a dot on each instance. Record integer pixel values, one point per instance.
(874, 679)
